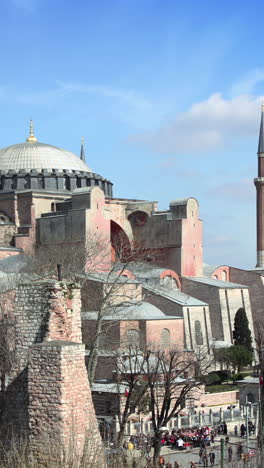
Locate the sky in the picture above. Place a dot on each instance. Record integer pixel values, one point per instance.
(166, 93)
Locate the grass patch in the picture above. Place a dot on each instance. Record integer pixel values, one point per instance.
(220, 388)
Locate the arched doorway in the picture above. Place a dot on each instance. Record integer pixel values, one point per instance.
(120, 245)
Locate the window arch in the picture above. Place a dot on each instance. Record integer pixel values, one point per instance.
(132, 337)
(165, 338)
(250, 398)
(224, 275)
(198, 333)
(169, 282)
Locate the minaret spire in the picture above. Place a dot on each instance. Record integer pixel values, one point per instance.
(259, 183)
(261, 132)
(31, 138)
(82, 155)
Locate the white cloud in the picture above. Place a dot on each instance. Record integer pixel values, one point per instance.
(248, 83)
(206, 125)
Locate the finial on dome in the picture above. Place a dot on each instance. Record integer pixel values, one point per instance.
(82, 155)
(31, 138)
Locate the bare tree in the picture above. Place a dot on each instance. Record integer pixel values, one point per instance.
(169, 379)
(104, 282)
(133, 388)
(74, 259)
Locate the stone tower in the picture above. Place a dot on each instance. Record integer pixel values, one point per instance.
(259, 183)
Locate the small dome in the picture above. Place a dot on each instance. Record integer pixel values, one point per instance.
(35, 155)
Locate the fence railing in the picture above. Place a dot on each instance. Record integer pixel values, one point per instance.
(210, 418)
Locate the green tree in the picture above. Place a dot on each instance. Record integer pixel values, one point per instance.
(238, 357)
(242, 333)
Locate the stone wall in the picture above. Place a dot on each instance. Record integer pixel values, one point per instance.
(256, 289)
(224, 300)
(41, 308)
(61, 412)
(209, 295)
(49, 396)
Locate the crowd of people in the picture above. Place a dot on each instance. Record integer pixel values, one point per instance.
(243, 429)
(192, 437)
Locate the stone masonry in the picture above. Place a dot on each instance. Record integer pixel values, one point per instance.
(45, 311)
(61, 411)
(49, 397)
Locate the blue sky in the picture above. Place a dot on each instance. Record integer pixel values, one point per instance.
(166, 93)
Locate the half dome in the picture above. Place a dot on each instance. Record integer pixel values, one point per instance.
(39, 156)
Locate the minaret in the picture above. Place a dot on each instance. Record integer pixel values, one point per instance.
(31, 138)
(259, 183)
(82, 155)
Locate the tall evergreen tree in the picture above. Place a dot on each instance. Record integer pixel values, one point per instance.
(242, 333)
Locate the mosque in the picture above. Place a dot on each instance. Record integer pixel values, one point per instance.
(51, 197)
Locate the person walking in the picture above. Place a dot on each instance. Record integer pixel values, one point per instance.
(242, 430)
(205, 458)
(230, 453)
(239, 451)
(201, 455)
(212, 458)
(224, 428)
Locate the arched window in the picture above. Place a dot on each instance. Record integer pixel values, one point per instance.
(165, 338)
(250, 398)
(169, 282)
(224, 275)
(132, 337)
(215, 277)
(198, 333)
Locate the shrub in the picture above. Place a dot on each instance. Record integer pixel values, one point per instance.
(212, 379)
(236, 377)
(223, 375)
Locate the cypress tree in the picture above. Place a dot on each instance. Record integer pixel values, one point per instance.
(242, 333)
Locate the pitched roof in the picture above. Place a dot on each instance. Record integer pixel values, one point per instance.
(132, 310)
(175, 295)
(216, 283)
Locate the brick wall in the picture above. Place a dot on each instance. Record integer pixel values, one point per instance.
(218, 399)
(155, 327)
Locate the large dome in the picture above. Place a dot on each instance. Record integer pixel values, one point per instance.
(35, 155)
(38, 166)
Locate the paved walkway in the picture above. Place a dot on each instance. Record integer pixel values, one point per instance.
(184, 458)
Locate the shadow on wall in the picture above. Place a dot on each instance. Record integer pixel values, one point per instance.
(14, 421)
